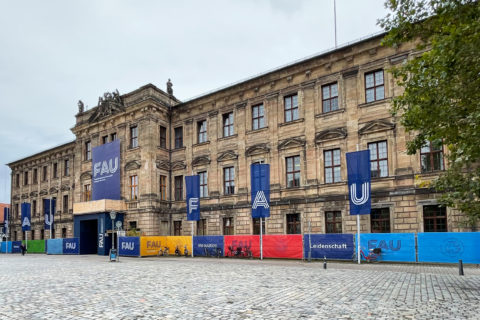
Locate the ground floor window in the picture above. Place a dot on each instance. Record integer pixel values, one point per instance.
(227, 226)
(42, 234)
(177, 228)
(434, 219)
(64, 233)
(333, 222)
(293, 223)
(256, 225)
(380, 220)
(202, 227)
(33, 234)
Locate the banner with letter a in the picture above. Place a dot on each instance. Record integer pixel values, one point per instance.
(193, 197)
(49, 215)
(260, 180)
(26, 218)
(358, 169)
(106, 171)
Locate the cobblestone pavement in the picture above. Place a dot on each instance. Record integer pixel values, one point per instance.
(90, 287)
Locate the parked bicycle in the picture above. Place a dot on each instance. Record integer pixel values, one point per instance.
(177, 252)
(372, 256)
(163, 253)
(185, 251)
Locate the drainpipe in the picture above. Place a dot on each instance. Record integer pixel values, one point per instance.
(170, 170)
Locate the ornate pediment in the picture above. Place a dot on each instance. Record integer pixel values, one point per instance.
(178, 165)
(65, 187)
(53, 190)
(201, 160)
(43, 192)
(108, 105)
(291, 143)
(227, 155)
(16, 197)
(257, 149)
(163, 164)
(33, 194)
(132, 165)
(86, 175)
(376, 126)
(25, 196)
(331, 134)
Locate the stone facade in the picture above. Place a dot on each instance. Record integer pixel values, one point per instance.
(155, 119)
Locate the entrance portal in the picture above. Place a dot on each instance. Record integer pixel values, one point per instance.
(88, 236)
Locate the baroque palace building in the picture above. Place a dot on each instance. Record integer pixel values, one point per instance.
(301, 119)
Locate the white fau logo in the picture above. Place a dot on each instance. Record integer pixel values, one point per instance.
(47, 220)
(365, 194)
(192, 204)
(105, 167)
(260, 200)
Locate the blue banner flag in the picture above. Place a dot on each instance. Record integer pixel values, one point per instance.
(193, 197)
(6, 219)
(358, 169)
(260, 180)
(26, 218)
(49, 211)
(106, 171)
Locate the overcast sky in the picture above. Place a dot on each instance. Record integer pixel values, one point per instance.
(53, 53)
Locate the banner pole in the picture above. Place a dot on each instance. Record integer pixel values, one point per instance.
(261, 238)
(192, 238)
(50, 216)
(358, 230)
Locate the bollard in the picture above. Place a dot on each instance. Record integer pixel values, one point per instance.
(460, 267)
(324, 262)
(309, 255)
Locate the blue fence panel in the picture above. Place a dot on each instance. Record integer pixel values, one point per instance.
(3, 246)
(449, 247)
(331, 246)
(71, 246)
(54, 246)
(16, 246)
(207, 245)
(395, 246)
(129, 246)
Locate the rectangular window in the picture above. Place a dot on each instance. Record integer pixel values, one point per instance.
(228, 226)
(333, 222)
(291, 107)
(163, 137)
(374, 86)
(33, 234)
(66, 167)
(55, 170)
(34, 207)
(163, 187)
(42, 234)
(64, 233)
(113, 136)
(434, 219)
(104, 139)
(132, 225)
(133, 137)
(293, 171)
(65, 204)
(17, 180)
(202, 227)
(177, 228)
(380, 220)
(25, 178)
(332, 165)
(258, 117)
(228, 124)
(87, 192)
(229, 180)
(378, 159)
(202, 131)
(178, 137)
(35, 175)
(178, 188)
(133, 187)
(203, 184)
(330, 97)
(431, 155)
(88, 151)
(16, 213)
(293, 223)
(256, 226)
(44, 173)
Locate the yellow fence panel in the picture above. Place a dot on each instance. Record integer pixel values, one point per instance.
(149, 246)
(180, 242)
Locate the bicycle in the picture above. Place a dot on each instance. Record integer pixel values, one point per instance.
(163, 253)
(177, 251)
(373, 255)
(185, 251)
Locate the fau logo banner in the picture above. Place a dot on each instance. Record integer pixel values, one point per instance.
(193, 197)
(71, 246)
(106, 171)
(260, 179)
(49, 209)
(26, 216)
(358, 169)
(6, 217)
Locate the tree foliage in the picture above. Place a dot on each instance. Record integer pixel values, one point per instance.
(441, 100)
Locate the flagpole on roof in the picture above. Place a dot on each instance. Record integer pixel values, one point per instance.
(335, 19)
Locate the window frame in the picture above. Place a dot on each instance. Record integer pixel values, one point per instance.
(133, 187)
(113, 136)
(34, 208)
(202, 227)
(292, 110)
(25, 178)
(163, 137)
(202, 131)
(178, 137)
(294, 173)
(177, 227)
(66, 167)
(228, 124)
(44, 173)
(256, 226)
(35, 176)
(333, 165)
(381, 218)
(163, 187)
(331, 98)
(378, 159)
(331, 225)
(435, 218)
(430, 155)
(88, 150)
(55, 170)
(293, 226)
(203, 177)
(105, 139)
(178, 185)
(228, 228)
(134, 136)
(375, 86)
(229, 184)
(87, 192)
(259, 119)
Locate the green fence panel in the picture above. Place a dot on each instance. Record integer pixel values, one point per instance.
(35, 246)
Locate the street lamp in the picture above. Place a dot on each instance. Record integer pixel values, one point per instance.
(113, 214)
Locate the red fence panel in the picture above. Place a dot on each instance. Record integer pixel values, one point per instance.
(283, 246)
(231, 243)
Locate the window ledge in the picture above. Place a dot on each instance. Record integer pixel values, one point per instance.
(429, 173)
(374, 103)
(83, 161)
(291, 122)
(257, 130)
(379, 179)
(229, 137)
(162, 148)
(133, 148)
(202, 143)
(333, 184)
(179, 149)
(330, 113)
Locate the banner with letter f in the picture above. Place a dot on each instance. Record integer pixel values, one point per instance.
(358, 169)
(193, 197)
(49, 210)
(260, 180)
(26, 218)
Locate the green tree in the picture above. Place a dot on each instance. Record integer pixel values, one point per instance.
(441, 101)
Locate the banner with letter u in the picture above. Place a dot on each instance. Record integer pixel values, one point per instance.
(49, 210)
(26, 218)
(260, 180)
(358, 169)
(193, 197)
